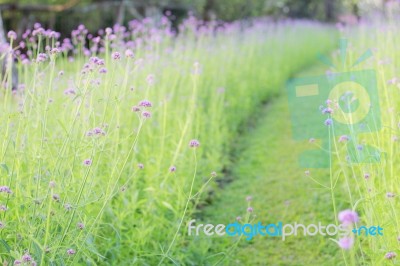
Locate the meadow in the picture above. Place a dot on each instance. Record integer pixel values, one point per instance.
(113, 141)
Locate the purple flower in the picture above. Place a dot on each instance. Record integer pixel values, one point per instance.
(5, 189)
(390, 195)
(344, 138)
(12, 35)
(135, 109)
(56, 197)
(250, 209)
(348, 217)
(146, 114)
(26, 257)
(52, 184)
(327, 110)
(3, 208)
(17, 262)
(249, 198)
(390, 255)
(68, 206)
(116, 56)
(172, 169)
(71, 252)
(102, 70)
(238, 218)
(328, 122)
(140, 165)
(145, 103)
(194, 143)
(366, 175)
(87, 162)
(129, 53)
(81, 226)
(346, 242)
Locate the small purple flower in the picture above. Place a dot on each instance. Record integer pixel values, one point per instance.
(135, 109)
(52, 184)
(102, 70)
(69, 91)
(56, 197)
(81, 226)
(68, 206)
(26, 258)
(71, 252)
(87, 162)
(5, 189)
(348, 217)
(145, 103)
(346, 242)
(116, 56)
(250, 209)
(327, 110)
(328, 122)
(150, 79)
(17, 262)
(360, 147)
(344, 138)
(390, 195)
(140, 166)
(366, 175)
(390, 255)
(194, 143)
(172, 169)
(3, 208)
(129, 53)
(238, 218)
(146, 114)
(98, 131)
(12, 35)
(249, 198)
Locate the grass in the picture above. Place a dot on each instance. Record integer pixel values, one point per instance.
(90, 179)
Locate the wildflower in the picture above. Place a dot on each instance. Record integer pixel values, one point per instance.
(145, 103)
(327, 110)
(26, 257)
(116, 56)
(68, 206)
(307, 172)
(172, 169)
(249, 198)
(135, 109)
(81, 226)
(150, 79)
(366, 175)
(5, 189)
(346, 242)
(52, 184)
(360, 147)
(129, 53)
(56, 197)
(41, 57)
(3, 208)
(146, 114)
(249, 209)
(140, 166)
(194, 143)
(390, 195)
(390, 255)
(213, 174)
(102, 70)
(12, 35)
(238, 218)
(328, 122)
(17, 262)
(87, 162)
(348, 217)
(69, 91)
(344, 138)
(71, 252)
(98, 131)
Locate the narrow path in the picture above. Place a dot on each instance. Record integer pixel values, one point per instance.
(267, 170)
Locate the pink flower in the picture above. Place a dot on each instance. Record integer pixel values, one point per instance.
(172, 169)
(194, 143)
(390, 255)
(348, 217)
(87, 162)
(346, 242)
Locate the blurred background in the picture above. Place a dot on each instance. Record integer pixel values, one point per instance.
(65, 15)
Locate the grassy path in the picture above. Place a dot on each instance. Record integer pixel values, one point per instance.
(267, 170)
